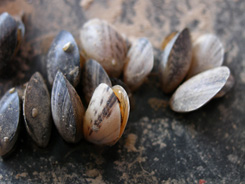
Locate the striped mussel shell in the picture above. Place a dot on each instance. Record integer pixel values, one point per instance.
(207, 53)
(10, 110)
(37, 110)
(93, 74)
(139, 63)
(101, 42)
(200, 89)
(67, 109)
(175, 61)
(11, 35)
(64, 55)
(107, 115)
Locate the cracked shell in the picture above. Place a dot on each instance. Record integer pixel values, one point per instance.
(101, 42)
(64, 55)
(175, 61)
(106, 116)
(93, 74)
(67, 109)
(37, 110)
(139, 63)
(9, 121)
(198, 90)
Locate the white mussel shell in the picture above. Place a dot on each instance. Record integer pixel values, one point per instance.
(208, 52)
(176, 60)
(139, 63)
(198, 90)
(227, 87)
(101, 42)
(103, 121)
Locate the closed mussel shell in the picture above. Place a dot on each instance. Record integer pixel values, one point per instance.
(102, 120)
(139, 63)
(67, 109)
(11, 33)
(9, 121)
(175, 61)
(101, 42)
(93, 74)
(37, 110)
(207, 53)
(198, 90)
(64, 55)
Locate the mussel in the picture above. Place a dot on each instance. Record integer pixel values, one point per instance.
(37, 110)
(208, 52)
(139, 63)
(10, 110)
(64, 55)
(107, 115)
(175, 61)
(227, 87)
(11, 35)
(101, 42)
(198, 90)
(93, 74)
(67, 109)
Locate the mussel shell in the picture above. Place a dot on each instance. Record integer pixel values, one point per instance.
(64, 55)
(67, 109)
(207, 53)
(11, 33)
(101, 42)
(139, 63)
(198, 90)
(123, 100)
(227, 87)
(9, 120)
(93, 74)
(102, 120)
(37, 110)
(176, 60)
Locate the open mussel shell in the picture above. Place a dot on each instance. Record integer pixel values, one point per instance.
(175, 61)
(106, 116)
(11, 34)
(208, 52)
(37, 110)
(10, 110)
(198, 90)
(93, 74)
(101, 42)
(64, 55)
(67, 109)
(227, 87)
(139, 63)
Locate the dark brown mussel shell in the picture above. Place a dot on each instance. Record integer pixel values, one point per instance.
(11, 34)
(37, 110)
(9, 121)
(64, 55)
(93, 74)
(175, 61)
(67, 109)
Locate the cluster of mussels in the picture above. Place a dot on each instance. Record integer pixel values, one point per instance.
(105, 53)
(197, 63)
